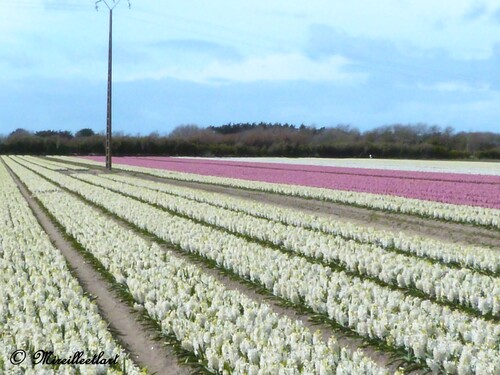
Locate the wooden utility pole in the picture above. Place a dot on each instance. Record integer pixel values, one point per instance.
(109, 129)
(110, 84)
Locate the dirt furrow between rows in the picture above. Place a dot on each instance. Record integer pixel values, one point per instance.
(133, 335)
(410, 225)
(235, 283)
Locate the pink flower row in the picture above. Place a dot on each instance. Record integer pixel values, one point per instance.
(475, 190)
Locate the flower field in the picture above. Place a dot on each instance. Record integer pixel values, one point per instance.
(232, 284)
(440, 166)
(476, 190)
(460, 213)
(43, 306)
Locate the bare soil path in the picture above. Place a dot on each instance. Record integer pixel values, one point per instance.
(234, 284)
(408, 224)
(135, 337)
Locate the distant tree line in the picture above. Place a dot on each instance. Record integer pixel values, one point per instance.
(418, 141)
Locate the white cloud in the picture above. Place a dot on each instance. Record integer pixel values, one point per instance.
(454, 86)
(274, 67)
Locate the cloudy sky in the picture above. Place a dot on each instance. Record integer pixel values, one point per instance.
(317, 62)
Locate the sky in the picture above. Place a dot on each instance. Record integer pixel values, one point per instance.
(317, 62)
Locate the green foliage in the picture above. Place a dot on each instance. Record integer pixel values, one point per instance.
(87, 132)
(264, 139)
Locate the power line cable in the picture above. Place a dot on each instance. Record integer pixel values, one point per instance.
(237, 38)
(211, 35)
(44, 6)
(383, 66)
(210, 25)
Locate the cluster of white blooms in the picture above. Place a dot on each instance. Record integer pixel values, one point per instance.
(475, 257)
(53, 165)
(42, 306)
(227, 331)
(446, 340)
(444, 211)
(440, 166)
(460, 286)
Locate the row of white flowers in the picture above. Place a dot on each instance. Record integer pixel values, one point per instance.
(439, 166)
(447, 340)
(445, 211)
(460, 286)
(229, 331)
(42, 306)
(476, 257)
(53, 165)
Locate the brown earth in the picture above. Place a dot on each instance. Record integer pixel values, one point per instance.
(232, 283)
(410, 225)
(135, 337)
